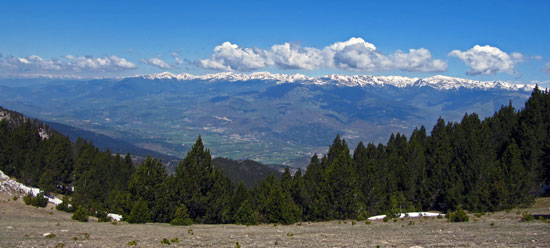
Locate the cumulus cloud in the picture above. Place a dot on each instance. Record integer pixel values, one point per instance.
(231, 57)
(68, 64)
(488, 60)
(354, 54)
(156, 62)
(293, 56)
(546, 68)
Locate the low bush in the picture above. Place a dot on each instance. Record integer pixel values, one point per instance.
(38, 201)
(65, 205)
(527, 217)
(458, 216)
(181, 217)
(102, 216)
(80, 215)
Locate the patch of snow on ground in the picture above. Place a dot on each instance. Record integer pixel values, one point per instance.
(43, 134)
(410, 215)
(116, 217)
(8, 185)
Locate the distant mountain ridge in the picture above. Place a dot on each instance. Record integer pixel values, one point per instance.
(265, 117)
(437, 82)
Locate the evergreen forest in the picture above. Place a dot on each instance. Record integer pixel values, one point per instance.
(478, 165)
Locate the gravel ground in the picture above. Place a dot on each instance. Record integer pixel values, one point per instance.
(24, 226)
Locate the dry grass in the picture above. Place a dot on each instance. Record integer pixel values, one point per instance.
(24, 226)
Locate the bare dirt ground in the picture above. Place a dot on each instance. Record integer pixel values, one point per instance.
(24, 226)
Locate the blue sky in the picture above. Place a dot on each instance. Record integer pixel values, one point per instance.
(119, 38)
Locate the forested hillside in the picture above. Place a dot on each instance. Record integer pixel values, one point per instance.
(250, 172)
(481, 165)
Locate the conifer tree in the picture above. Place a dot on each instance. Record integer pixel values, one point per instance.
(140, 213)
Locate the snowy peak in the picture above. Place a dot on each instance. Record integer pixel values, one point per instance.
(438, 82)
(448, 83)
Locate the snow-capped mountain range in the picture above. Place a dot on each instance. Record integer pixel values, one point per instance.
(437, 82)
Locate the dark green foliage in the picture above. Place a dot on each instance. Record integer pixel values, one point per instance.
(102, 216)
(181, 217)
(80, 214)
(37, 201)
(148, 187)
(480, 165)
(527, 217)
(27, 199)
(140, 213)
(458, 216)
(204, 190)
(246, 215)
(250, 172)
(64, 205)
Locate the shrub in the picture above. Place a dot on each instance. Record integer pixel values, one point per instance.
(102, 216)
(353, 222)
(386, 219)
(132, 243)
(458, 216)
(80, 215)
(64, 205)
(181, 217)
(14, 198)
(38, 201)
(175, 240)
(165, 241)
(28, 198)
(527, 217)
(368, 222)
(237, 245)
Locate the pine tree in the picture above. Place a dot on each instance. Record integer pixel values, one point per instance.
(246, 215)
(148, 185)
(140, 213)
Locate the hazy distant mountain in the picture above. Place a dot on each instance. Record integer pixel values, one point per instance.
(272, 118)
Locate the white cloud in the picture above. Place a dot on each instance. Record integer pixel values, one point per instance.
(157, 63)
(417, 60)
(293, 56)
(354, 54)
(488, 60)
(546, 68)
(177, 58)
(231, 57)
(89, 63)
(69, 64)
